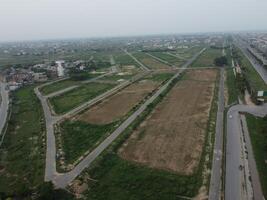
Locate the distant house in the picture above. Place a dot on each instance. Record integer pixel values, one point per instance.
(60, 68)
(262, 96)
(39, 77)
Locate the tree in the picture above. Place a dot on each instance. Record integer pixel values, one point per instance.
(221, 61)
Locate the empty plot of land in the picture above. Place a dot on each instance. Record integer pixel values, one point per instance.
(150, 62)
(119, 104)
(172, 137)
(71, 99)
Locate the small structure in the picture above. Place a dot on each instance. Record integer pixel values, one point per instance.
(262, 96)
(39, 77)
(60, 68)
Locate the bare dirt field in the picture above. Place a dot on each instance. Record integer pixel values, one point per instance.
(172, 136)
(154, 64)
(119, 104)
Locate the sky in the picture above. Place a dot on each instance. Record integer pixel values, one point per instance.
(59, 19)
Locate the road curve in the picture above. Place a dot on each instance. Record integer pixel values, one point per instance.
(234, 178)
(3, 109)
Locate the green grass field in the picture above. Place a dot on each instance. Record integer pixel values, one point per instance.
(22, 154)
(250, 73)
(258, 133)
(206, 59)
(116, 77)
(79, 137)
(124, 59)
(63, 84)
(58, 86)
(73, 98)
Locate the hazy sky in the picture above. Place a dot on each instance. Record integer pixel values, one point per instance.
(44, 19)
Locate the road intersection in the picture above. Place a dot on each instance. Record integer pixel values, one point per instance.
(61, 180)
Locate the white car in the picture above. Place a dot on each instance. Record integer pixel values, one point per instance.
(230, 116)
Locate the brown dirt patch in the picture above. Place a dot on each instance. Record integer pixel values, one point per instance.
(119, 104)
(202, 75)
(154, 64)
(172, 137)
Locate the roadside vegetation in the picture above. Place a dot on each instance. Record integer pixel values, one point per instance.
(23, 151)
(160, 77)
(71, 99)
(252, 79)
(258, 133)
(231, 82)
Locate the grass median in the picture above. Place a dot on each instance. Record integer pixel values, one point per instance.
(71, 99)
(258, 134)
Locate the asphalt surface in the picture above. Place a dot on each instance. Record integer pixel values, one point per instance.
(235, 182)
(63, 179)
(216, 172)
(259, 68)
(3, 109)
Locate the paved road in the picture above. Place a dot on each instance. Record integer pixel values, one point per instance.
(216, 173)
(143, 67)
(62, 180)
(259, 68)
(3, 109)
(50, 168)
(235, 186)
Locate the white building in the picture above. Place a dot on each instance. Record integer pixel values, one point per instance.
(60, 68)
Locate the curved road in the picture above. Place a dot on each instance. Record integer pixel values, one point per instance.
(237, 185)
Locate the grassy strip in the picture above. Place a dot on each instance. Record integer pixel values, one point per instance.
(57, 86)
(232, 88)
(116, 77)
(120, 179)
(160, 77)
(22, 153)
(258, 133)
(254, 80)
(71, 99)
(210, 135)
(206, 59)
(166, 57)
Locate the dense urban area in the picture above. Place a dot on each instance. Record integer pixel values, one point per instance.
(130, 118)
